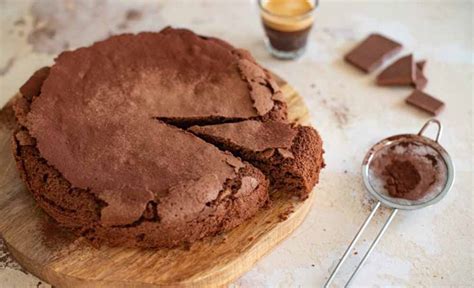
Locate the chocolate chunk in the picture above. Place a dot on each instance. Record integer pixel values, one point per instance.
(420, 79)
(421, 64)
(401, 72)
(372, 52)
(425, 102)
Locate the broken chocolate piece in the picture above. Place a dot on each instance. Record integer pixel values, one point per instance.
(372, 52)
(401, 72)
(425, 102)
(421, 65)
(420, 78)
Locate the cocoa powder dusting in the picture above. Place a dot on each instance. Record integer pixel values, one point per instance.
(339, 111)
(55, 237)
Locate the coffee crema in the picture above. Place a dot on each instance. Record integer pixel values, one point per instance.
(287, 16)
(287, 23)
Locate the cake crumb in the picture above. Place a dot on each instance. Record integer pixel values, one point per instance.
(19, 22)
(285, 214)
(187, 246)
(133, 15)
(122, 26)
(268, 204)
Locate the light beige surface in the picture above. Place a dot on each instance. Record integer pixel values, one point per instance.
(429, 247)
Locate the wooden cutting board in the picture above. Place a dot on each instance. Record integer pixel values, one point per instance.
(64, 260)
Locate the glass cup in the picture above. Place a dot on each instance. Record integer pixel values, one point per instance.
(287, 24)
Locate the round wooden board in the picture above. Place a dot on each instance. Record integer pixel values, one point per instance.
(60, 258)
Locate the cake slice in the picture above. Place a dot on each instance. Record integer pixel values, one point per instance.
(290, 155)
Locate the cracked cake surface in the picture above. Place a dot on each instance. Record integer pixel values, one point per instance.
(99, 141)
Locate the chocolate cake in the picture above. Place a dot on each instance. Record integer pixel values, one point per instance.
(291, 156)
(100, 139)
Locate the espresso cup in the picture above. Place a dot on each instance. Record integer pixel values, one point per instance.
(287, 24)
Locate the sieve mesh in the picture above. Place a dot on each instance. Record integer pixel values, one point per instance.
(429, 169)
(429, 160)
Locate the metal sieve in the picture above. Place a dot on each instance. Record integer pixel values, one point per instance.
(418, 145)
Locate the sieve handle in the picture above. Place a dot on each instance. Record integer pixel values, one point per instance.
(349, 248)
(372, 246)
(356, 237)
(434, 121)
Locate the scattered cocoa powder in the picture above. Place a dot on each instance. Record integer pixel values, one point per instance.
(339, 111)
(19, 22)
(53, 236)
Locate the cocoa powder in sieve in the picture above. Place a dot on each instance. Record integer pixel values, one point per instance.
(401, 178)
(409, 171)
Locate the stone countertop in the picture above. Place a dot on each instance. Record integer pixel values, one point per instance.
(428, 247)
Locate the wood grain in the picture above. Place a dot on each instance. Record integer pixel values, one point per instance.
(64, 260)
